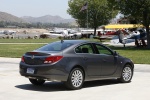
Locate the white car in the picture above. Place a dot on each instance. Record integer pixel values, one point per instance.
(74, 34)
(56, 34)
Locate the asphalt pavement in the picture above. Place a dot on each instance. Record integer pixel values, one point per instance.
(15, 87)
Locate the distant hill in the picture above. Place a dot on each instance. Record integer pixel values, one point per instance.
(47, 19)
(10, 18)
(28, 19)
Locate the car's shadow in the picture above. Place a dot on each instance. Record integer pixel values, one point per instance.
(58, 86)
(46, 87)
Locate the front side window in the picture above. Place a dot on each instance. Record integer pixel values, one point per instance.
(103, 50)
(85, 48)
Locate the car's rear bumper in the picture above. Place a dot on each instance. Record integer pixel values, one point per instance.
(46, 72)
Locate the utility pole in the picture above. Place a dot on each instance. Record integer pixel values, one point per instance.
(87, 15)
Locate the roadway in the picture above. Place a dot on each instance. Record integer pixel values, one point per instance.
(15, 87)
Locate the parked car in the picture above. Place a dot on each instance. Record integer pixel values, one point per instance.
(73, 62)
(57, 34)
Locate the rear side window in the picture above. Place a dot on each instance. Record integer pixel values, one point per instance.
(55, 46)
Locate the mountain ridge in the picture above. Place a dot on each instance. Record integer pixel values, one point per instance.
(10, 18)
(47, 19)
(29, 19)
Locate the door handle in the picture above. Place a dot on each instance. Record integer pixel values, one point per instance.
(85, 58)
(104, 60)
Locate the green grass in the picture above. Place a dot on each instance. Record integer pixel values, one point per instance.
(35, 40)
(16, 50)
(27, 40)
(138, 55)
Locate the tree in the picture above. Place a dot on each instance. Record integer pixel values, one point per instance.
(97, 13)
(139, 9)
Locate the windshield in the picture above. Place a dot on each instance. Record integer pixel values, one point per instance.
(55, 46)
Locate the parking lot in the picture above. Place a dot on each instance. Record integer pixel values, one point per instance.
(15, 87)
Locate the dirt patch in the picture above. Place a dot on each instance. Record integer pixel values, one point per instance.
(25, 30)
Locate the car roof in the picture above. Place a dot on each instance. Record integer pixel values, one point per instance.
(74, 41)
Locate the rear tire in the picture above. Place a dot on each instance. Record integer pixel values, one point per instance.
(37, 81)
(75, 79)
(126, 74)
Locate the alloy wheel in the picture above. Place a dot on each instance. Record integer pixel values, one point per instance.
(127, 73)
(77, 78)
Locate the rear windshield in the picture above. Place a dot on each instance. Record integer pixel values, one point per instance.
(55, 46)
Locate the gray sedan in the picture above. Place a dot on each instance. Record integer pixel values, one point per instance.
(73, 62)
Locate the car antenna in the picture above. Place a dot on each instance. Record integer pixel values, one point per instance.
(61, 38)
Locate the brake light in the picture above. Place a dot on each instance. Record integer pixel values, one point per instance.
(22, 59)
(53, 59)
(33, 53)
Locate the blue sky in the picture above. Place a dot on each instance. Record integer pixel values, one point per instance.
(35, 8)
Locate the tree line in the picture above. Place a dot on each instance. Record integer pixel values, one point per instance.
(5, 24)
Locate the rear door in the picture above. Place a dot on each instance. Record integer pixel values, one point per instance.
(90, 60)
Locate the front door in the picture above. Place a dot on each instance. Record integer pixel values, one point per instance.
(107, 60)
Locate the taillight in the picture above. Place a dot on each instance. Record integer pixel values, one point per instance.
(53, 59)
(33, 53)
(22, 59)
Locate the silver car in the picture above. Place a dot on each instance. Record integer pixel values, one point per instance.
(73, 62)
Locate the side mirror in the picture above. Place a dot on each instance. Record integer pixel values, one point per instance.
(115, 53)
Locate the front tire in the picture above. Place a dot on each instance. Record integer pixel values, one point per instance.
(37, 81)
(126, 74)
(75, 79)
